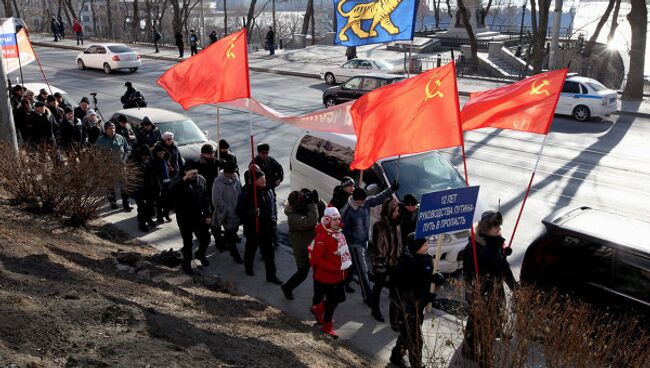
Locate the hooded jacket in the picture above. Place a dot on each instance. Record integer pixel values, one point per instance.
(386, 243)
(356, 219)
(175, 159)
(493, 267)
(324, 258)
(302, 224)
(225, 192)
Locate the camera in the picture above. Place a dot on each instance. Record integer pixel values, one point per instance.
(94, 94)
(309, 196)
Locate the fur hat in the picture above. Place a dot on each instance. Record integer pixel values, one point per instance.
(223, 144)
(413, 244)
(347, 182)
(263, 147)
(359, 194)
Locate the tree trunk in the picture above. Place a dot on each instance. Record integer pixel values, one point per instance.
(225, 18)
(16, 8)
(92, 10)
(109, 20)
(308, 14)
(601, 22)
(470, 34)
(135, 21)
(249, 19)
(9, 12)
(68, 5)
(539, 33)
(485, 13)
(638, 18)
(449, 9)
(176, 16)
(612, 29)
(313, 24)
(436, 12)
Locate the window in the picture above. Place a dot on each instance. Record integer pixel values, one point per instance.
(335, 159)
(583, 90)
(119, 49)
(585, 261)
(370, 83)
(352, 83)
(91, 50)
(365, 64)
(351, 64)
(101, 50)
(633, 276)
(383, 65)
(307, 152)
(571, 87)
(596, 86)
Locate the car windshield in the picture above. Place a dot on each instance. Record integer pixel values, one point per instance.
(422, 173)
(185, 131)
(119, 49)
(383, 65)
(596, 86)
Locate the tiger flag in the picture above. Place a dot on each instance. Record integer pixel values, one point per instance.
(416, 115)
(218, 73)
(528, 105)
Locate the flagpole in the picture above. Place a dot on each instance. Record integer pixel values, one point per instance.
(218, 133)
(20, 64)
(530, 183)
(40, 67)
(254, 169)
(462, 147)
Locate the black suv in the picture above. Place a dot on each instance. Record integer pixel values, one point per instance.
(599, 257)
(357, 86)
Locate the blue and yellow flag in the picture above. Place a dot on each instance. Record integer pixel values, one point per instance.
(364, 22)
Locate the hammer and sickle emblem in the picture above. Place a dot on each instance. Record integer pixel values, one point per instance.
(537, 89)
(433, 92)
(229, 53)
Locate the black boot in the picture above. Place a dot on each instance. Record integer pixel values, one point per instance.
(287, 293)
(187, 268)
(397, 359)
(376, 314)
(143, 227)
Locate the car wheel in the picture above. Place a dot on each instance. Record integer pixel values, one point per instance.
(80, 64)
(581, 113)
(107, 68)
(133, 70)
(330, 101)
(329, 78)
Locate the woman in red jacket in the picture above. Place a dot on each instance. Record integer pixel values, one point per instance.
(330, 258)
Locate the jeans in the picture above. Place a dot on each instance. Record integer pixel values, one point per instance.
(194, 50)
(155, 44)
(181, 50)
(200, 229)
(380, 282)
(360, 267)
(80, 37)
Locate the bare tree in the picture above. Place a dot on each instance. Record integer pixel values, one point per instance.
(485, 13)
(612, 29)
(249, 18)
(94, 16)
(539, 22)
(470, 32)
(601, 22)
(308, 14)
(225, 18)
(109, 19)
(638, 18)
(448, 9)
(135, 21)
(9, 12)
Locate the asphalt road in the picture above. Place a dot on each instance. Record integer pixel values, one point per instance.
(602, 164)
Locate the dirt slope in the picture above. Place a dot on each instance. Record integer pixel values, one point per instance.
(63, 303)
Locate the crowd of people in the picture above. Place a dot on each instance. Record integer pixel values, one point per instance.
(333, 239)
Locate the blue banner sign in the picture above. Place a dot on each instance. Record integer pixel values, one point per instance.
(446, 211)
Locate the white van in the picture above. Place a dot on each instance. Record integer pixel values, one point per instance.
(320, 160)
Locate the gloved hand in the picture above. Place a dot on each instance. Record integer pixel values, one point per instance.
(315, 196)
(438, 278)
(395, 186)
(507, 251)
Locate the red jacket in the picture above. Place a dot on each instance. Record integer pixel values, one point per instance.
(324, 260)
(76, 27)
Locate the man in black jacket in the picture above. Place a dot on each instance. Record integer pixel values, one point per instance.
(409, 216)
(193, 212)
(410, 292)
(342, 192)
(274, 176)
(259, 217)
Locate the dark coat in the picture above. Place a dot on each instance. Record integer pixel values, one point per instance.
(411, 280)
(408, 222)
(266, 204)
(386, 244)
(79, 113)
(149, 138)
(272, 169)
(229, 157)
(178, 36)
(493, 267)
(339, 198)
(126, 132)
(209, 169)
(21, 120)
(190, 198)
(40, 128)
(175, 159)
(71, 133)
(148, 187)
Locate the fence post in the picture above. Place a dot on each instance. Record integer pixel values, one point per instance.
(438, 61)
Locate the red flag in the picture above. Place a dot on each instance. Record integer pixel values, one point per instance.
(528, 105)
(416, 115)
(219, 73)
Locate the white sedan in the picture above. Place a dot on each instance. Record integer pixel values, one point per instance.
(584, 98)
(340, 74)
(109, 57)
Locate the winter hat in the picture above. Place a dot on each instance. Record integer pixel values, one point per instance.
(207, 148)
(229, 167)
(492, 218)
(295, 198)
(146, 121)
(410, 200)
(166, 135)
(67, 110)
(17, 88)
(347, 182)
(50, 98)
(128, 84)
(57, 95)
(223, 144)
(85, 99)
(263, 147)
(359, 194)
(43, 91)
(108, 124)
(413, 244)
(329, 214)
(122, 118)
(190, 165)
(39, 104)
(90, 112)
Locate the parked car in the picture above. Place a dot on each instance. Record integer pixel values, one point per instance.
(109, 57)
(584, 98)
(36, 87)
(594, 255)
(357, 86)
(187, 135)
(320, 160)
(338, 74)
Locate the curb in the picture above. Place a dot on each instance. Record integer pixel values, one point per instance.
(635, 114)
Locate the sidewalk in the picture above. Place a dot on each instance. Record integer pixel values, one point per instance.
(309, 61)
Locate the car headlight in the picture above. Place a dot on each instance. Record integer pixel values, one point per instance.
(445, 239)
